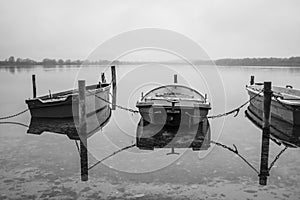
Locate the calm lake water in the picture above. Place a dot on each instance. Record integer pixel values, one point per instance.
(48, 165)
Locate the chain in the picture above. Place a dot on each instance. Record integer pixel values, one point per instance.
(14, 115)
(114, 153)
(235, 150)
(277, 157)
(236, 110)
(118, 106)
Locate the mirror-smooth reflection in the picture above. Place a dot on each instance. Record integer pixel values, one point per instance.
(50, 158)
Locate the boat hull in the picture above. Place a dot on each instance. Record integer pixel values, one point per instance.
(281, 132)
(69, 126)
(68, 107)
(151, 136)
(173, 105)
(166, 115)
(279, 110)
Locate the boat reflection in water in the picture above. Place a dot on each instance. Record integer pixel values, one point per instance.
(67, 126)
(281, 131)
(150, 136)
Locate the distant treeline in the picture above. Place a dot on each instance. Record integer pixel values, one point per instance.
(292, 61)
(46, 61)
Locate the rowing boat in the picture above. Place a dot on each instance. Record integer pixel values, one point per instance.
(173, 105)
(285, 102)
(65, 104)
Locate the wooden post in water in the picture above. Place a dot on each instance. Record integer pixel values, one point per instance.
(114, 87)
(264, 165)
(83, 131)
(175, 78)
(252, 80)
(33, 85)
(103, 80)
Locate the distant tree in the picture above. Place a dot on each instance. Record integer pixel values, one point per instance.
(68, 62)
(11, 59)
(78, 62)
(47, 61)
(60, 62)
(19, 60)
(28, 61)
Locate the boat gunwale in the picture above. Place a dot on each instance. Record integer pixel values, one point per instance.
(172, 85)
(278, 97)
(67, 94)
(207, 106)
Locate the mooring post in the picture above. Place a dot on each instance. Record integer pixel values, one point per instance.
(175, 78)
(33, 85)
(252, 80)
(114, 87)
(103, 80)
(83, 131)
(264, 165)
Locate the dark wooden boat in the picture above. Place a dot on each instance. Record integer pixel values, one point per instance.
(150, 136)
(69, 126)
(285, 104)
(281, 132)
(65, 104)
(173, 105)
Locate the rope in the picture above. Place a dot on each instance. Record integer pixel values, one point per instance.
(14, 115)
(114, 153)
(277, 157)
(15, 123)
(236, 110)
(235, 150)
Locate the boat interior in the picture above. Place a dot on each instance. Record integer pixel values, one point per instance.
(174, 92)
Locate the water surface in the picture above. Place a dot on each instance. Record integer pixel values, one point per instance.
(47, 166)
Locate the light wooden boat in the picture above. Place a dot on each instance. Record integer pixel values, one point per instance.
(65, 104)
(173, 105)
(285, 104)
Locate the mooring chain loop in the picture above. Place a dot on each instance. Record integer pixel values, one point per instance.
(235, 150)
(236, 110)
(277, 157)
(14, 115)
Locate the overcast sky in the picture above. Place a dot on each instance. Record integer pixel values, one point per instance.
(73, 29)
